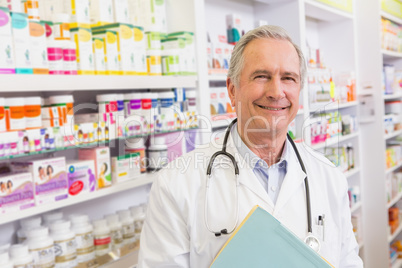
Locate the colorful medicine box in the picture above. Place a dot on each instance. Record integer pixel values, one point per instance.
(189, 50)
(82, 37)
(16, 192)
(49, 177)
(7, 62)
(21, 40)
(101, 157)
(37, 32)
(111, 49)
(81, 177)
(125, 167)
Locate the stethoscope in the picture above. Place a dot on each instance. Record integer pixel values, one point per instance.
(310, 239)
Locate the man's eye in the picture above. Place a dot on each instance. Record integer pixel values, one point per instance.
(289, 78)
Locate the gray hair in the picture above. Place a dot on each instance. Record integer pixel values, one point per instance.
(266, 31)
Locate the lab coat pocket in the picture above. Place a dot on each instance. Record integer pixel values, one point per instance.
(331, 246)
(318, 231)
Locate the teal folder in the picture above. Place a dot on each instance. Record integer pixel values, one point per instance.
(262, 241)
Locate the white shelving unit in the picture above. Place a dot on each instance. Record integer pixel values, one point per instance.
(335, 141)
(393, 134)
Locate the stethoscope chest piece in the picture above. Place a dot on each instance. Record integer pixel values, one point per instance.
(313, 242)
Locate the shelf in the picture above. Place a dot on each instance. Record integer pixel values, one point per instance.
(395, 234)
(351, 172)
(88, 145)
(331, 106)
(217, 78)
(397, 263)
(355, 207)
(393, 18)
(394, 200)
(392, 96)
(324, 12)
(72, 200)
(334, 141)
(40, 83)
(390, 55)
(392, 169)
(392, 134)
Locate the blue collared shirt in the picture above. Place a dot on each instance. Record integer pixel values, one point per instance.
(271, 178)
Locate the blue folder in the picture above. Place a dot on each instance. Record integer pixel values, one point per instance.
(262, 241)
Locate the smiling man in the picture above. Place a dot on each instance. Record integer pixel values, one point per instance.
(190, 213)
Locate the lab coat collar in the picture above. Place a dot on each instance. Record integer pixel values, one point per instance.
(291, 183)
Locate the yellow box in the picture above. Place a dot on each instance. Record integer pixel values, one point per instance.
(85, 57)
(345, 5)
(112, 59)
(393, 7)
(99, 55)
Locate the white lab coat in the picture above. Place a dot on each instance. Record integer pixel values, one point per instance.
(175, 234)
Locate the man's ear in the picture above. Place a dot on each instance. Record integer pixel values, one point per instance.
(231, 91)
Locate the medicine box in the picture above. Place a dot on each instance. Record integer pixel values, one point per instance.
(125, 167)
(189, 50)
(78, 10)
(82, 37)
(16, 192)
(21, 40)
(111, 49)
(37, 32)
(49, 177)
(101, 157)
(81, 176)
(178, 44)
(12, 5)
(99, 55)
(101, 12)
(7, 62)
(234, 28)
(140, 46)
(121, 13)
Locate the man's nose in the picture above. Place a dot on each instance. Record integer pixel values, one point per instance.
(274, 89)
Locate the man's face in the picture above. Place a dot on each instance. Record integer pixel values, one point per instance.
(269, 86)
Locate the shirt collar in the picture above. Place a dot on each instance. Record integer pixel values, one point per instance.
(251, 158)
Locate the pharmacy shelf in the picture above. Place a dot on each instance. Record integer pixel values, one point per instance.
(395, 234)
(392, 96)
(222, 120)
(41, 83)
(392, 134)
(334, 141)
(393, 18)
(73, 200)
(88, 145)
(350, 173)
(392, 169)
(390, 55)
(397, 263)
(394, 200)
(355, 207)
(331, 106)
(217, 77)
(325, 12)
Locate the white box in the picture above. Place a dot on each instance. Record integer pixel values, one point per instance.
(49, 177)
(140, 47)
(125, 167)
(7, 61)
(81, 176)
(37, 33)
(121, 14)
(83, 40)
(16, 192)
(111, 49)
(12, 5)
(21, 40)
(101, 11)
(78, 10)
(99, 55)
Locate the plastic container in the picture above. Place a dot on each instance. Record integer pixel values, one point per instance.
(116, 230)
(138, 214)
(55, 56)
(120, 104)
(49, 218)
(128, 226)
(157, 154)
(154, 62)
(2, 116)
(83, 237)
(66, 103)
(41, 247)
(102, 238)
(167, 111)
(146, 105)
(20, 256)
(132, 104)
(64, 244)
(26, 225)
(5, 261)
(33, 118)
(107, 103)
(137, 146)
(15, 114)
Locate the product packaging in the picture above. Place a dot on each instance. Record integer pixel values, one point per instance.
(83, 40)
(78, 10)
(16, 192)
(140, 46)
(101, 157)
(121, 14)
(81, 177)
(22, 44)
(234, 28)
(7, 60)
(38, 47)
(99, 55)
(49, 177)
(102, 12)
(189, 50)
(126, 167)
(111, 49)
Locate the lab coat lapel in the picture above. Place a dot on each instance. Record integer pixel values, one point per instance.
(292, 182)
(247, 176)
